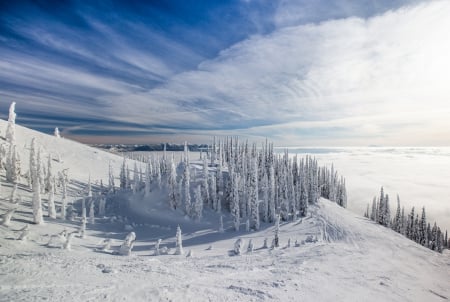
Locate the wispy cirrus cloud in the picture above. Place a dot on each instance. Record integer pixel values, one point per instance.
(352, 77)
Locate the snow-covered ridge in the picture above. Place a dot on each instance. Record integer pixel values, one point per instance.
(339, 256)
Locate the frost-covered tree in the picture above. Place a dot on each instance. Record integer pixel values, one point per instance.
(238, 246)
(205, 186)
(250, 246)
(423, 236)
(277, 232)
(11, 127)
(102, 207)
(179, 242)
(197, 210)
(12, 165)
(272, 192)
(148, 176)
(235, 212)
(221, 230)
(56, 133)
(51, 199)
(136, 180)
(68, 243)
(82, 229)
(49, 176)
(91, 213)
(254, 198)
(123, 175)
(387, 212)
(172, 185)
(37, 202)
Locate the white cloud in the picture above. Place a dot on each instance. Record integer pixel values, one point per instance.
(395, 63)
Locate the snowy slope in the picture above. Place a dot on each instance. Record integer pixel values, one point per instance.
(350, 258)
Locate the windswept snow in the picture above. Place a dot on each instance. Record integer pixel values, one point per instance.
(339, 256)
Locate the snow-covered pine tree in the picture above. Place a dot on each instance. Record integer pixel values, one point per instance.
(11, 127)
(238, 246)
(51, 199)
(197, 210)
(123, 175)
(179, 242)
(235, 211)
(423, 236)
(37, 202)
(410, 225)
(265, 199)
(91, 212)
(172, 185)
(397, 219)
(186, 182)
(12, 165)
(221, 230)
(272, 192)
(136, 181)
(147, 180)
(277, 232)
(102, 207)
(56, 133)
(49, 176)
(205, 186)
(381, 208)
(387, 212)
(254, 199)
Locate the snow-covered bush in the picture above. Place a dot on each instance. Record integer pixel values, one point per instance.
(238, 246)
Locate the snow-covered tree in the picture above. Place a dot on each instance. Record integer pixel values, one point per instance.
(51, 199)
(12, 165)
(179, 242)
(250, 246)
(11, 127)
(56, 133)
(238, 246)
(235, 202)
(91, 213)
(172, 185)
(277, 232)
(197, 210)
(221, 230)
(37, 203)
(254, 198)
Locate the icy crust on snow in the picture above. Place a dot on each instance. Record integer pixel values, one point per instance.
(349, 259)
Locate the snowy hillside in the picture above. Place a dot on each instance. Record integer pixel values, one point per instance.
(334, 255)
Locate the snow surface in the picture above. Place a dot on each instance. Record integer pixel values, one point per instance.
(341, 256)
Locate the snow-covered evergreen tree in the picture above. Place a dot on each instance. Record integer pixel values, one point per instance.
(277, 232)
(221, 230)
(235, 211)
(11, 127)
(37, 202)
(179, 242)
(51, 199)
(254, 199)
(92, 212)
(197, 210)
(172, 185)
(56, 133)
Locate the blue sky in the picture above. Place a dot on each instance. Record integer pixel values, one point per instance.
(349, 72)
